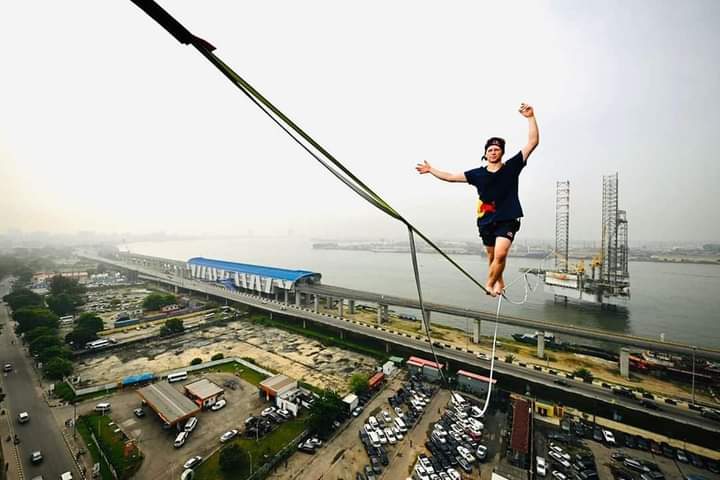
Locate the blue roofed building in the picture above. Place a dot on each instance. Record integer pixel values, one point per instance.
(249, 278)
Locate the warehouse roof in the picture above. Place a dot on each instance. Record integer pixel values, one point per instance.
(277, 383)
(421, 362)
(171, 405)
(476, 376)
(203, 389)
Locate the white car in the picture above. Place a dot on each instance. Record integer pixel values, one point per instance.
(398, 433)
(229, 435)
(390, 436)
(457, 429)
(559, 475)
(558, 458)
(386, 416)
(609, 437)
(357, 411)
(267, 411)
(373, 422)
(420, 473)
(194, 461)
(540, 466)
(465, 453)
(454, 474)
(218, 405)
(481, 452)
(426, 464)
(381, 436)
(476, 424)
(399, 412)
(191, 424)
(368, 429)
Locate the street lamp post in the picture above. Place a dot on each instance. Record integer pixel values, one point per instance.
(693, 375)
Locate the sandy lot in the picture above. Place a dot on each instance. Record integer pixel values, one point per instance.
(274, 349)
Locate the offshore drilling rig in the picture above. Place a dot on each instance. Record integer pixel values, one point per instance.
(607, 283)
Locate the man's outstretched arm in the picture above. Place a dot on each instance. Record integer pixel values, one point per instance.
(425, 167)
(533, 134)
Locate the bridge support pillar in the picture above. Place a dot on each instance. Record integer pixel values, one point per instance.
(316, 304)
(175, 289)
(341, 304)
(382, 312)
(387, 347)
(304, 323)
(329, 303)
(277, 295)
(342, 334)
(541, 345)
(351, 306)
(286, 297)
(625, 362)
(477, 324)
(297, 299)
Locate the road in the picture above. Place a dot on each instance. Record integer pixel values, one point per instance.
(25, 395)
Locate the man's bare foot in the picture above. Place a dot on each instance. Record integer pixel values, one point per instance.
(489, 290)
(499, 288)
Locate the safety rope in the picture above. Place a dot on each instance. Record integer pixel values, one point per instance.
(336, 168)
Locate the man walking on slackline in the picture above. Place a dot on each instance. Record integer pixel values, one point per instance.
(498, 208)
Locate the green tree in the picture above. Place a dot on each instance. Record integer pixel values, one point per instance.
(57, 368)
(44, 342)
(90, 321)
(52, 352)
(584, 373)
(63, 303)
(23, 298)
(38, 332)
(217, 356)
(359, 383)
(155, 301)
(509, 358)
(173, 325)
(29, 318)
(325, 411)
(232, 458)
(60, 284)
(79, 337)
(196, 361)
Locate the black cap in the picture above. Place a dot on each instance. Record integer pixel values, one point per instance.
(495, 141)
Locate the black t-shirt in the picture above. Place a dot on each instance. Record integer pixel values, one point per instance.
(497, 191)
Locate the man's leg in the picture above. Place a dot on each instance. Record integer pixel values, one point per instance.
(495, 279)
(491, 257)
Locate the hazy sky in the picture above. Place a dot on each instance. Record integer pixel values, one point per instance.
(109, 124)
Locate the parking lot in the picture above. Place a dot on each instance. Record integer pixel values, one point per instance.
(162, 460)
(584, 451)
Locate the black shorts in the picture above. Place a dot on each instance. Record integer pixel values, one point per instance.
(503, 228)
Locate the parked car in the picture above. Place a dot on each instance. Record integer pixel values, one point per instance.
(139, 412)
(540, 466)
(180, 439)
(194, 461)
(23, 417)
(103, 407)
(218, 405)
(229, 435)
(191, 424)
(681, 455)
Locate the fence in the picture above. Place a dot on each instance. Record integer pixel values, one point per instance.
(268, 466)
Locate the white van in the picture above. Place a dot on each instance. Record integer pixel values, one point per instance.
(374, 439)
(191, 424)
(373, 422)
(180, 439)
(400, 425)
(102, 407)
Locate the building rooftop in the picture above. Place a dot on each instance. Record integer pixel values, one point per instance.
(421, 362)
(277, 383)
(203, 389)
(171, 405)
(476, 376)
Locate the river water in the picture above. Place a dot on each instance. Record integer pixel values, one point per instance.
(679, 301)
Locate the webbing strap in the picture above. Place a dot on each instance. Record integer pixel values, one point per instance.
(184, 36)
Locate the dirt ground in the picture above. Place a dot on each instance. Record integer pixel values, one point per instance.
(278, 350)
(603, 370)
